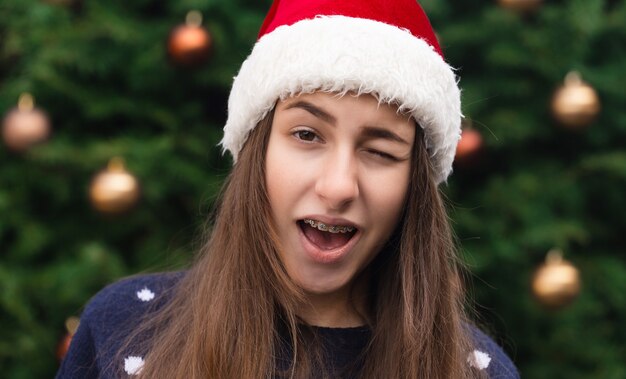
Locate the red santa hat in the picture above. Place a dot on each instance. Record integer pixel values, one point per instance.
(386, 48)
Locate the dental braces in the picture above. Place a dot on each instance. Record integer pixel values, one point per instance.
(329, 228)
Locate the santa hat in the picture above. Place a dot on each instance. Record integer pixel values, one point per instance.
(386, 48)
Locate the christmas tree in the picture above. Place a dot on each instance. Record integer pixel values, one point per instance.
(538, 184)
(115, 92)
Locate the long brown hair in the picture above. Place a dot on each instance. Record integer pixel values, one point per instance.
(224, 317)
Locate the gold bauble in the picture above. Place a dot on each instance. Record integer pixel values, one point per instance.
(575, 104)
(556, 283)
(114, 190)
(190, 44)
(25, 125)
(71, 324)
(520, 5)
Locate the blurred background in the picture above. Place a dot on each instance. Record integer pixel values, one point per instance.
(109, 167)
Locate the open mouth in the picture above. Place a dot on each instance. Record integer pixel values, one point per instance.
(324, 236)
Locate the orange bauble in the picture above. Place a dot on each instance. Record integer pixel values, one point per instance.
(520, 5)
(469, 146)
(575, 104)
(114, 190)
(190, 44)
(71, 325)
(556, 283)
(25, 125)
(64, 346)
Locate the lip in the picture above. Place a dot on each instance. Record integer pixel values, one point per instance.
(333, 256)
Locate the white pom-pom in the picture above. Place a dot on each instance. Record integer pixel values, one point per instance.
(479, 359)
(145, 294)
(133, 365)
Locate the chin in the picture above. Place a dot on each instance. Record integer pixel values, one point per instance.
(321, 284)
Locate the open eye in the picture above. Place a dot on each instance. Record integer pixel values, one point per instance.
(305, 135)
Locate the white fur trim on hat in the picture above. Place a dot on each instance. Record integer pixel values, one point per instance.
(345, 54)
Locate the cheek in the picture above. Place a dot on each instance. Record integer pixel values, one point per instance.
(283, 176)
(390, 194)
(278, 172)
(273, 175)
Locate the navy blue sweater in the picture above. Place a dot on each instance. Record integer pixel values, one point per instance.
(116, 310)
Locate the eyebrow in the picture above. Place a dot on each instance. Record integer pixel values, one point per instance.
(377, 132)
(314, 110)
(368, 131)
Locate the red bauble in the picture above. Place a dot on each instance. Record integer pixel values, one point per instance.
(190, 44)
(470, 144)
(64, 346)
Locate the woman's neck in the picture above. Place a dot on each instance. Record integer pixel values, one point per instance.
(340, 309)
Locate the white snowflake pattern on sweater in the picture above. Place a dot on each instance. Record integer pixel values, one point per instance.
(145, 294)
(133, 365)
(479, 359)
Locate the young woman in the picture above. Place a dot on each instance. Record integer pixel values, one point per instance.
(330, 255)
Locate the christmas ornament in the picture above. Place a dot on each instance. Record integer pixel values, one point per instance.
(71, 325)
(575, 104)
(556, 283)
(25, 125)
(190, 44)
(470, 145)
(114, 190)
(521, 6)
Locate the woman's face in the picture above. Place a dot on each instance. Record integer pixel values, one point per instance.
(337, 172)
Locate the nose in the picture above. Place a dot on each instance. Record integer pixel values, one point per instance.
(337, 184)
